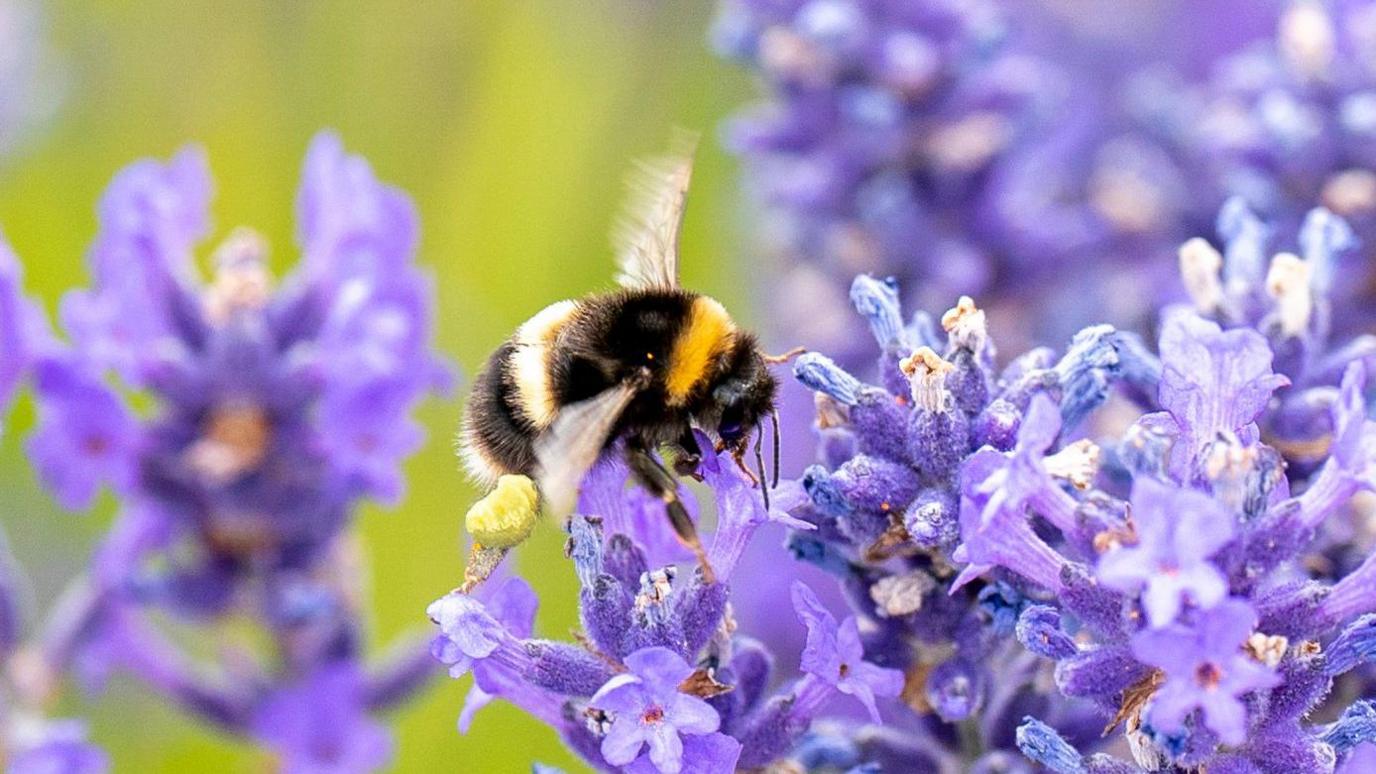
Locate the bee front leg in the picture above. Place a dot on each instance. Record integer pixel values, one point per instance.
(652, 475)
(688, 456)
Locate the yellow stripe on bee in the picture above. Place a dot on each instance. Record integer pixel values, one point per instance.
(697, 347)
(529, 362)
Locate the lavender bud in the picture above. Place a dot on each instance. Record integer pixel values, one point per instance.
(996, 426)
(880, 421)
(820, 373)
(1304, 685)
(1101, 673)
(1087, 371)
(933, 519)
(1357, 725)
(1042, 744)
(1292, 609)
(1098, 608)
(1355, 646)
(938, 442)
(1039, 630)
(955, 689)
(698, 612)
(877, 302)
(873, 484)
(605, 610)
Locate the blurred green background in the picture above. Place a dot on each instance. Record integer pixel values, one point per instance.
(511, 123)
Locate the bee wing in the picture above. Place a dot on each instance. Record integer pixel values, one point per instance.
(570, 446)
(646, 235)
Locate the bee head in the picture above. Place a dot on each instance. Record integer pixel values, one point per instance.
(744, 393)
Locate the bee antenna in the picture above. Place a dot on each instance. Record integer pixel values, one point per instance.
(785, 357)
(759, 463)
(774, 418)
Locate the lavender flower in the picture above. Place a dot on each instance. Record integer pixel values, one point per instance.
(1206, 669)
(273, 412)
(37, 746)
(835, 654)
(1177, 530)
(1166, 574)
(322, 724)
(880, 129)
(651, 713)
(661, 680)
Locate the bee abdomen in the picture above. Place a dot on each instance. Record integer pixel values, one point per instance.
(497, 438)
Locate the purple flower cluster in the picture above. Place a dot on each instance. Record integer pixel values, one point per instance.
(240, 421)
(1193, 577)
(1041, 154)
(1018, 591)
(882, 132)
(661, 680)
(1286, 122)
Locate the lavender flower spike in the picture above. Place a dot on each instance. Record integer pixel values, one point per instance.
(652, 714)
(1206, 669)
(1177, 530)
(835, 655)
(321, 725)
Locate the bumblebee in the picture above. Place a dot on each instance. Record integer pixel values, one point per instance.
(630, 371)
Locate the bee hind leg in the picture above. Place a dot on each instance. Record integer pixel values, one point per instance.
(652, 475)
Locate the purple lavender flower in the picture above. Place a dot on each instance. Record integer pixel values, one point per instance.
(513, 603)
(877, 138)
(1177, 531)
(650, 713)
(20, 325)
(38, 746)
(1214, 381)
(276, 409)
(834, 654)
(996, 491)
(273, 411)
(1205, 669)
(86, 435)
(321, 724)
(1362, 758)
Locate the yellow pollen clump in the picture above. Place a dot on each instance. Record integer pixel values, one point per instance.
(505, 516)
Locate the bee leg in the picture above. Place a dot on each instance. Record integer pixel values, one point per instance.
(652, 475)
(738, 454)
(689, 455)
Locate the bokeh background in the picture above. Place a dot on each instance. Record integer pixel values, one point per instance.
(510, 123)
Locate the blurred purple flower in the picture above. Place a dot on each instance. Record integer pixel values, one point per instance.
(320, 724)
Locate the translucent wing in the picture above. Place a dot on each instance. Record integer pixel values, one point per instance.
(570, 446)
(646, 235)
